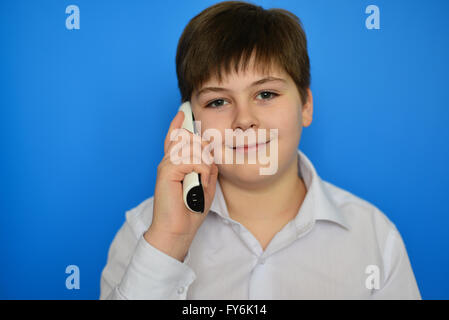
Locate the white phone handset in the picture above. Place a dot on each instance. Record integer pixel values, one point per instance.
(193, 192)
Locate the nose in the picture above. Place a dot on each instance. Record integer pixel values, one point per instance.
(245, 118)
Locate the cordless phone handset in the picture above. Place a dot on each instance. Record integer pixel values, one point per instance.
(193, 193)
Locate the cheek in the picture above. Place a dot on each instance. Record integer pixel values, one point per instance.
(289, 131)
(286, 121)
(213, 129)
(208, 122)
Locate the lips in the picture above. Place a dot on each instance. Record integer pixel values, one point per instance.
(246, 147)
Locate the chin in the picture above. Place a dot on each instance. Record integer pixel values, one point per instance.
(245, 173)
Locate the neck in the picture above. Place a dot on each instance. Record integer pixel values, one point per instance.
(279, 199)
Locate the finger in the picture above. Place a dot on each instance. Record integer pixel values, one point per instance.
(189, 144)
(207, 148)
(207, 154)
(175, 124)
(184, 168)
(174, 146)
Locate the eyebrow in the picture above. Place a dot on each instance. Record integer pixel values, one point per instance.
(220, 89)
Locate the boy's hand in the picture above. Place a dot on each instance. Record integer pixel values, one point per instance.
(174, 226)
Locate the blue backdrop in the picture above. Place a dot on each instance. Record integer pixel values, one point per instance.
(83, 115)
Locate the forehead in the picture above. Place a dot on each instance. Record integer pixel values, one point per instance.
(252, 72)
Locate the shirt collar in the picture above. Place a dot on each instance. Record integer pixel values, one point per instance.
(317, 204)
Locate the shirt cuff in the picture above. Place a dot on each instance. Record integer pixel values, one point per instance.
(152, 274)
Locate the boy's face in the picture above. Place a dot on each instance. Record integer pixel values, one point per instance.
(239, 105)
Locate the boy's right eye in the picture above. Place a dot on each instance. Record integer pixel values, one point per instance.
(211, 104)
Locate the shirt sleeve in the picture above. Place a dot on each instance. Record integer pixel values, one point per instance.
(135, 270)
(399, 281)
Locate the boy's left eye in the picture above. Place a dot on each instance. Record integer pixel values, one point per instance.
(267, 94)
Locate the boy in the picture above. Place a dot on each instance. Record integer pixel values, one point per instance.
(288, 235)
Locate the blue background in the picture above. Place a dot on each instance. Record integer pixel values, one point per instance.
(83, 115)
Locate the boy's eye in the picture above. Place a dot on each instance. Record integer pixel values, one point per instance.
(266, 95)
(211, 105)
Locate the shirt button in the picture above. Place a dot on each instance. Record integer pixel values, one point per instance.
(180, 290)
(261, 261)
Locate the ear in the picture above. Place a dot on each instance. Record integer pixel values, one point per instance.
(307, 110)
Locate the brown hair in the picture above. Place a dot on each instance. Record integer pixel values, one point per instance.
(231, 30)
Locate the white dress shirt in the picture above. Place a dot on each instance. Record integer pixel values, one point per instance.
(338, 246)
